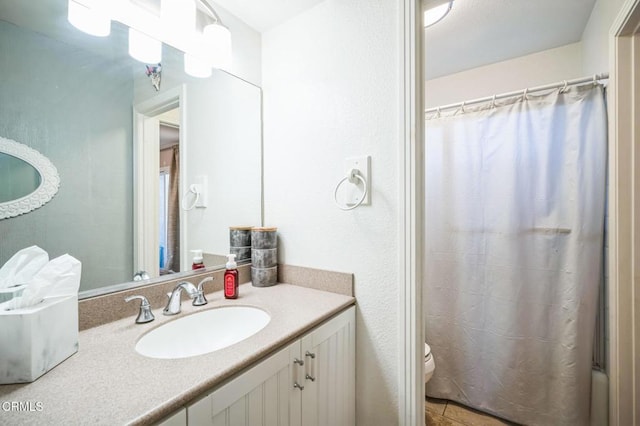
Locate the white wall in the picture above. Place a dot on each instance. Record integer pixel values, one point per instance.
(331, 90)
(595, 38)
(549, 66)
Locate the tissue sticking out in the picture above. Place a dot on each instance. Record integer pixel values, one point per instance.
(39, 277)
(22, 266)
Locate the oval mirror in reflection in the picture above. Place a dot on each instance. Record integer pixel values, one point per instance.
(18, 178)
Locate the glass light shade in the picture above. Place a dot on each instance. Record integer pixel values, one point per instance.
(436, 14)
(196, 67)
(88, 18)
(144, 48)
(219, 40)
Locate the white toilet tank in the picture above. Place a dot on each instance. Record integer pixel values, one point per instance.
(429, 363)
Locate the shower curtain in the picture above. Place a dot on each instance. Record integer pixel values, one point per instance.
(515, 203)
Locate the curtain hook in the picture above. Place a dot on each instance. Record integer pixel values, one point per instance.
(438, 112)
(462, 106)
(564, 87)
(524, 94)
(595, 79)
(493, 101)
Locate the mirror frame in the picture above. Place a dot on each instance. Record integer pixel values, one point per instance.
(49, 179)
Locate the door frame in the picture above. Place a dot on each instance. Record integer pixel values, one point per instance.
(624, 217)
(411, 392)
(146, 166)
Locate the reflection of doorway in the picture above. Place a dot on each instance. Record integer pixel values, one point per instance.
(168, 200)
(149, 116)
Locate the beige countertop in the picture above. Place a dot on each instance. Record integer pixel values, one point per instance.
(108, 382)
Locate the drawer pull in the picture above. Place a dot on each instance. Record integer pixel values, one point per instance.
(297, 385)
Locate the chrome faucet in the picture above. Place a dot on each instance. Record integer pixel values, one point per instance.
(145, 314)
(200, 300)
(173, 304)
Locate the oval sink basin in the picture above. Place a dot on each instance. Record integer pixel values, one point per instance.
(203, 332)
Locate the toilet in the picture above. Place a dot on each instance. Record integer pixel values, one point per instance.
(429, 363)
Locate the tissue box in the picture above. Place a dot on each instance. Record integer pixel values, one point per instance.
(9, 293)
(36, 339)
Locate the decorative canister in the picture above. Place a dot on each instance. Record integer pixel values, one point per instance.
(264, 277)
(240, 242)
(264, 258)
(240, 236)
(264, 238)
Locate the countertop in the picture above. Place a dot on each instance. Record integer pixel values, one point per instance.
(108, 382)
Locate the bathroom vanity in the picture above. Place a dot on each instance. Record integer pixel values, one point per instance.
(299, 369)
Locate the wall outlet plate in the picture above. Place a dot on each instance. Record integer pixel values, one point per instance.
(355, 190)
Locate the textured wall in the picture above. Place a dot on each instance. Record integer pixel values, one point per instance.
(331, 90)
(595, 38)
(75, 108)
(549, 66)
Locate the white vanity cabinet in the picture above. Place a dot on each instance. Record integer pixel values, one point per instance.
(310, 382)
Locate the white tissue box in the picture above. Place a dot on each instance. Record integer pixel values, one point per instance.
(9, 293)
(37, 338)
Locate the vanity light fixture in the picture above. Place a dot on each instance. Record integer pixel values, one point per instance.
(436, 11)
(144, 48)
(219, 38)
(86, 16)
(191, 26)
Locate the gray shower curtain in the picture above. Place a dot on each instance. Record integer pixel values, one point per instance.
(515, 202)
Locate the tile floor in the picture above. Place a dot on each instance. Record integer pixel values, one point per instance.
(440, 412)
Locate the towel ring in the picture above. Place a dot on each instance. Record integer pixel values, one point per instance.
(352, 177)
(192, 190)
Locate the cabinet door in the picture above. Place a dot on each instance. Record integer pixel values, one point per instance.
(329, 386)
(264, 395)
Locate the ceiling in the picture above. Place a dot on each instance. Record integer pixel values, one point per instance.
(481, 32)
(475, 33)
(263, 15)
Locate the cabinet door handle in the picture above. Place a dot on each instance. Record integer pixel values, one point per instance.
(308, 375)
(297, 385)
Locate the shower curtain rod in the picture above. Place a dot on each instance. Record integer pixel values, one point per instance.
(595, 78)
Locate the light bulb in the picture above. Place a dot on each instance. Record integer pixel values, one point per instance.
(436, 14)
(144, 48)
(196, 67)
(86, 17)
(219, 39)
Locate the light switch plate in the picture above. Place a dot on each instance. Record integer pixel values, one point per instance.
(354, 191)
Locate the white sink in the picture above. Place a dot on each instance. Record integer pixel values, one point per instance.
(203, 332)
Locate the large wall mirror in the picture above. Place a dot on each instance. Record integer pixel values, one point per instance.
(127, 154)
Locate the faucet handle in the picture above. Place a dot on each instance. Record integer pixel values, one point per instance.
(200, 300)
(145, 315)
